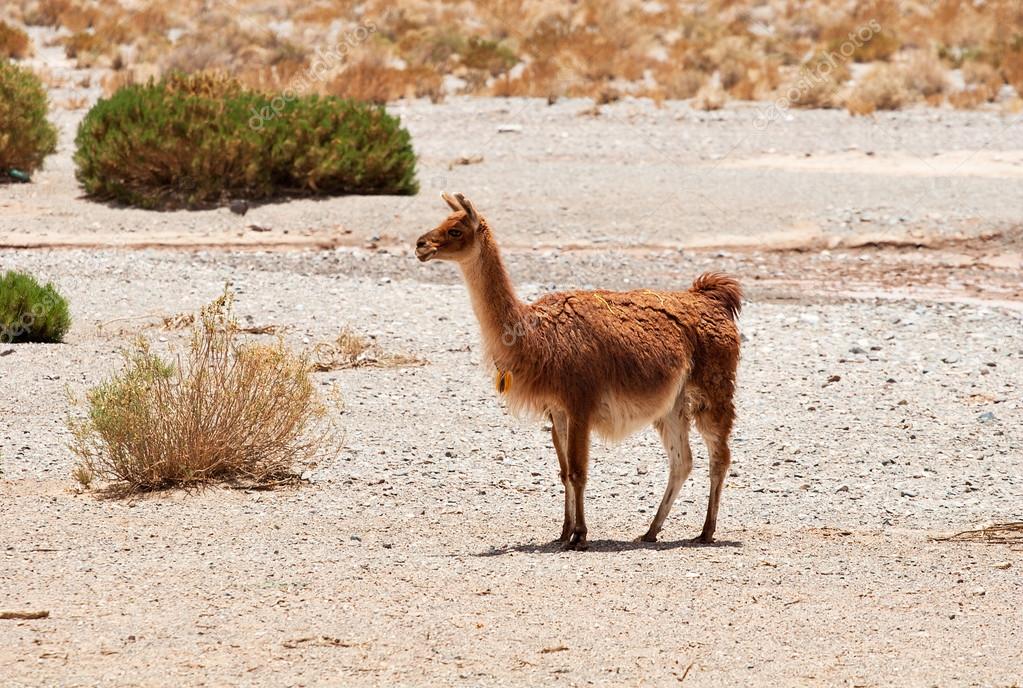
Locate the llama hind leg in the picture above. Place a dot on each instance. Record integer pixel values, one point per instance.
(674, 431)
(559, 433)
(715, 425)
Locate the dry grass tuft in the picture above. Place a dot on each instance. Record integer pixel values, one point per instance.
(1000, 533)
(710, 97)
(14, 43)
(882, 88)
(224, 412)
(351, 350)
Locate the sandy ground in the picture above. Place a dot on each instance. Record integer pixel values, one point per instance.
(879, 407)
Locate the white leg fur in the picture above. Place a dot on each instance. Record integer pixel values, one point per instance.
(674, 431)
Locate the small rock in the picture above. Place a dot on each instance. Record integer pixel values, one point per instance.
(509, 129)
(986, 417)
(843, 488)
(908, 493)
(951, 358)
(979, 592)
(239, 206)
(356, 538)
(1002, 565)
(857, 350)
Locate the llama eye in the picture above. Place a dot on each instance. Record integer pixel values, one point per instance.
(454, 233)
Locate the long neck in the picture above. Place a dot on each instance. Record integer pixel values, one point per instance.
(497, 308)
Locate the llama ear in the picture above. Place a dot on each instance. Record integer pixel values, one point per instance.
(470, 210)
(451, 202)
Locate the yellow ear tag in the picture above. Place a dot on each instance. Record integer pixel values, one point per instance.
(503, 381)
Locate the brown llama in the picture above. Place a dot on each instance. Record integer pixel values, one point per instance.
(604, 361)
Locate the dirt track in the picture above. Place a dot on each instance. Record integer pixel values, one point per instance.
(423, 555)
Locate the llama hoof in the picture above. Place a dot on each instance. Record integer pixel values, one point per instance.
(703, 539)
(577, 543)
(647, 537)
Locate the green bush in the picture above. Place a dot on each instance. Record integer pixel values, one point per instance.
(199, 141)
(29, 312)
(26, 137)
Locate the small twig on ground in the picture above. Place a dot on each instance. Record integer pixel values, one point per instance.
(24, 615)
(126, 317)
(1000, 534)
(686, 672)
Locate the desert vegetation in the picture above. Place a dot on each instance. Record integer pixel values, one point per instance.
(27, 136)
(380, 51)
(201, 140)
(353, 350)
(225, 411)
(31, 312)
(14, 43)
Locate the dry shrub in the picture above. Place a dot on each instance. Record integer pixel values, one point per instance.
(373, 81)
(983, 82)
(351, 350)
(678, 83)
(229, 412)
(1011, 66)
(882, 88)
(14, 43)
(537, 79)
(925, 74)
(710, 97)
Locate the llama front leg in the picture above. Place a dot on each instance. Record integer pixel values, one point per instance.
(559, 433)
(578, 455)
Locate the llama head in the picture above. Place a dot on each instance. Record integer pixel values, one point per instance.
(457, 237)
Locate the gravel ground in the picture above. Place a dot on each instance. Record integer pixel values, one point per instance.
(879, 406)
(636, 175)
(423, 554)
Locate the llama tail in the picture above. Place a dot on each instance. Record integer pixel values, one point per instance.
(720, 288)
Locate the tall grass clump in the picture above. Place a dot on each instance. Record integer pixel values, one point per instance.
(201, 141)
(26, 136)
(14, 43)
(225, 411)
(30, 312)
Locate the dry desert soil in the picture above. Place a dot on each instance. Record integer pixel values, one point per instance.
(879, 408)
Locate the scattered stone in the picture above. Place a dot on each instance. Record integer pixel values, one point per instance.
(509, 129)
(239, 206)
(986, 417)
(1002, 565)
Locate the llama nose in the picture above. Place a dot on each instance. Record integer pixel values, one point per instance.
(421, 243)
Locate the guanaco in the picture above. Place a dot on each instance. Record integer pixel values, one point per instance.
(604, 361)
